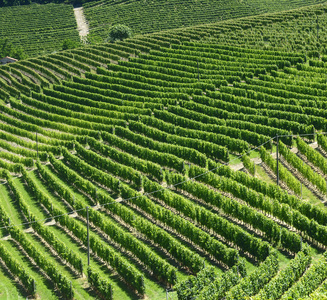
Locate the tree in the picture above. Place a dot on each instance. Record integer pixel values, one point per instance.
(119, 32)
(69, 44)
(8, 49)
(14, 2)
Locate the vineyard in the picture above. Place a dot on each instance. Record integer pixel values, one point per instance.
(178, 164)
(38, 29)
(147, 16)
(42, 29)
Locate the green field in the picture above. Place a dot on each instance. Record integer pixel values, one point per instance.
(166, 143)
(38, 29)
(153, 16)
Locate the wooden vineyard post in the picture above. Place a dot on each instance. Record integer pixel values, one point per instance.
(37, 146)
(198, 70)
(34, 287)
(277, 158)
(88, 236)
(9, 224)
(317, 29)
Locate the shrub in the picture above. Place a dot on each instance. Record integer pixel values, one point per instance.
(119, 32)
(69, 44)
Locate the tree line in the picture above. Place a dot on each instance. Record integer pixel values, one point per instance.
(27, 2)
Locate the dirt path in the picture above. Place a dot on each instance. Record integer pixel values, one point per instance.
(82, 25)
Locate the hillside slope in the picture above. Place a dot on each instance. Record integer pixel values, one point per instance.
(300, 30)
(151, 16)
(38, 29)
(139, 137)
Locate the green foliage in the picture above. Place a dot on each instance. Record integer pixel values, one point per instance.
(26, 2)
(284, 174)
(271, 230)
(187, 257)
(119, 32)
(248, 164)
(14, 2)
(310, 281)
(37, 29)
(273, 207)
(322, 141)
(59, 279)
(161, 268)
(251, 284)
(287, 277)
(8, 49)
(313, 54)
(101, 285)
(156, 15)
(218, 288)
(70, 44)
(315, 178)
(63, 250)
(189, 288)
(272, 191)
(207, 285)
(149, 122)
(16, 269)
(312, 155)
(147, 167)
(106, 252)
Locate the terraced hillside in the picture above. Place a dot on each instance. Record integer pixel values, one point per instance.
(291, 31)
(38, 29)
(41, 29)
(152, 16)
(143, 138)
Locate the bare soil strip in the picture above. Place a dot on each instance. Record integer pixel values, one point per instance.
(82, 25)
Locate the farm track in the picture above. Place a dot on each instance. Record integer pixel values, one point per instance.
(82, 24)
